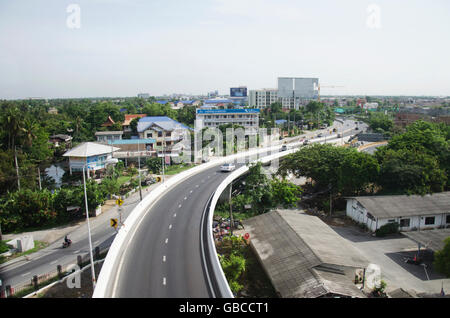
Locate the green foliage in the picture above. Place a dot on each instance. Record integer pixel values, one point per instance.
(154, 165)
(380, 121)
(284, 193)
(416, 161)
(346, 170)
(389, 228)
(442, 259)
(234, 265)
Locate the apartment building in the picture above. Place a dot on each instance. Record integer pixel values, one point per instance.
(248, 118)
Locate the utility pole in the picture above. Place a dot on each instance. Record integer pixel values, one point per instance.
(17, 168)
(39, 175)
(139, 170)
(89, 229)
(231, 211)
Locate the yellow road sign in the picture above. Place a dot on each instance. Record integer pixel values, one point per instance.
(114, 223)
(119, 202)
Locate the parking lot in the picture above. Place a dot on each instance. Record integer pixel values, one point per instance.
(391, 254)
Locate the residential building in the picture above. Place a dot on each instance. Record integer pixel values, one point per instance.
(128, 119)
(60, 140)
(163, 129)
(109, 122)
(246, 117)
(412, 212)
(216, 102)
(91, 155)
(108, 136)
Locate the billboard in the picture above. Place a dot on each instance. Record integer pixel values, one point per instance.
(238, 92)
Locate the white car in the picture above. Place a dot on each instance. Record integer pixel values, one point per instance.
(227, 167)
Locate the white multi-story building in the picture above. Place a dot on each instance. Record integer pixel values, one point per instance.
(262, 98)
(245, 117)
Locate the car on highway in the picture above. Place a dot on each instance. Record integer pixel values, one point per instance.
(319, 135)
(356, 128)
(227, 167)
(284, 148)
(306, 142)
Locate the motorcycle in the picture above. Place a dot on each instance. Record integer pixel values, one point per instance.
(66, 244)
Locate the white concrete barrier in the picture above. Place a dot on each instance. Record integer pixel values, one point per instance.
(105, 284)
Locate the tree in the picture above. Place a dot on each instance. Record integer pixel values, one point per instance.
(442, 258)
(380, 121)
(284, 193)
(154, 165)
(344, 170)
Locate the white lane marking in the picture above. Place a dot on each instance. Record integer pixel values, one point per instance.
(164, 258)
(174, 215)
(76, 251)
(190, 191)
(209, 177)
(96, 242)
(26, 274)
(196, 185)
(167, 240)
(185, 198)
(164, 281)
(179, 206)
(54, 262)
(170, 226)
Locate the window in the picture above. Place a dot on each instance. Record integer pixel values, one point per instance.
(429, 220)
(404, 223)
(159, 133)
(447, 219)
(391, 221)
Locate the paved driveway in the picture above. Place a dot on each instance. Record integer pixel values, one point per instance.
(390, 254)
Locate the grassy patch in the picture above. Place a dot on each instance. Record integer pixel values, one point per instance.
(38, 245)
(174, 169)
(123, 179)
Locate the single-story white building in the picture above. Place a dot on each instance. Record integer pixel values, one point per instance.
(412, 212)
(90, 154)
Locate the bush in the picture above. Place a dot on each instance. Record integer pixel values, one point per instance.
(390, 228)
(442, 259)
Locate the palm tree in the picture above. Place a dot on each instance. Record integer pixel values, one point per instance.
(12, 122)
(29, 128)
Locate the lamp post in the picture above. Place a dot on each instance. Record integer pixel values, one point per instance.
(89, 227)
(139, 170)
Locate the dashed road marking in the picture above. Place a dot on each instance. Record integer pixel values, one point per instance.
(167, 240)
(170, 226)
(164, 281)
(164, 258)
(174, 215)
(26, 274)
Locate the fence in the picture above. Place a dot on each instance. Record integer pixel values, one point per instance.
(60, 271)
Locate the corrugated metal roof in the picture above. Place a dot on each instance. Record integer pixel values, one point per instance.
(293, 263)
(394, 206)
(432, 239)
(89, 149)
(164, 122)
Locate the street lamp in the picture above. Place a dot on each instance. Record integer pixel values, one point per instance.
(89, 227)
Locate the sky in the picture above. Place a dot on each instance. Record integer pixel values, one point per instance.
(109, 48)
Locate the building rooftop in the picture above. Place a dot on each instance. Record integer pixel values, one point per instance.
(431, 239)
(163, 122)
(106, 133)
(394, 206)
(303, 256)
(89, 149)
(130, 117)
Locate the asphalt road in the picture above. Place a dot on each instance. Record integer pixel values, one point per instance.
(46, 260)
(162, 259)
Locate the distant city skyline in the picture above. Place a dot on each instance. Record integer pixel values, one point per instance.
(120, 48)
